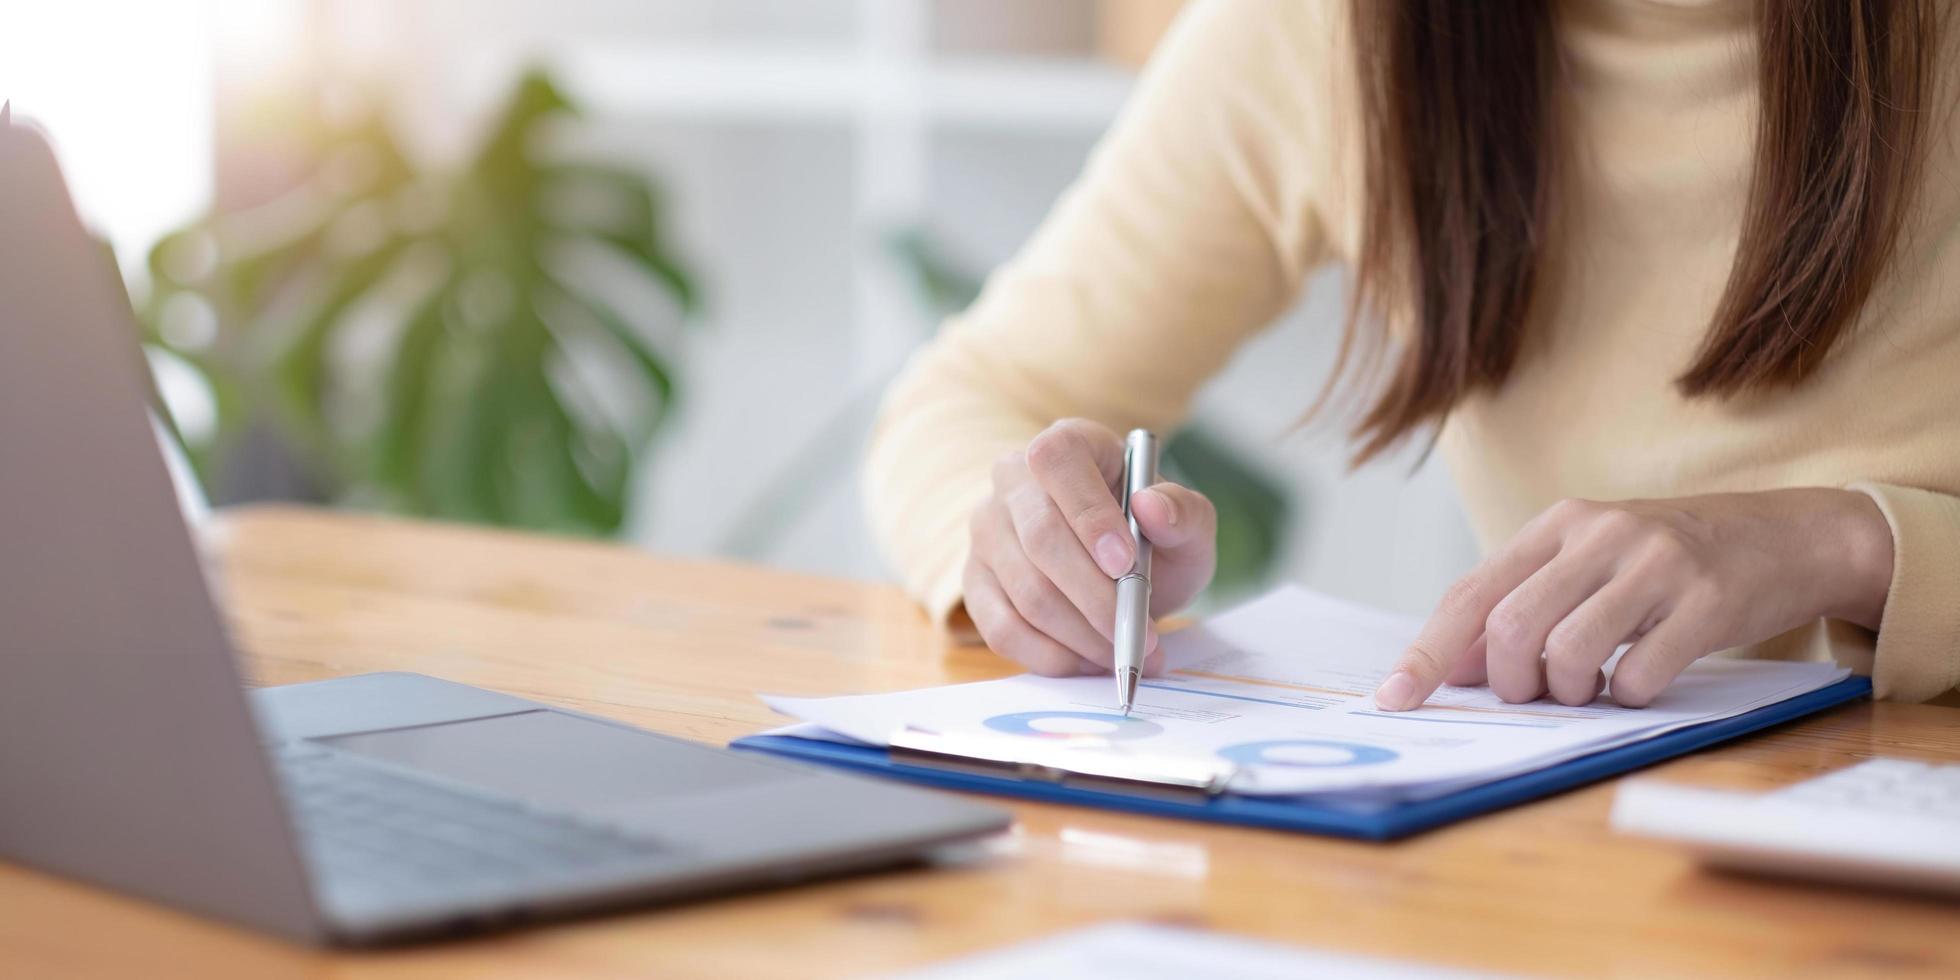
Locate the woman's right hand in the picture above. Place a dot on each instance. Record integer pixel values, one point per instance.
(1050, 542)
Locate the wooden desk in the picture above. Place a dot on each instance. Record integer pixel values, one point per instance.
(680, 647)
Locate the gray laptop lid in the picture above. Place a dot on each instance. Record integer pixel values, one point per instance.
(127, 755)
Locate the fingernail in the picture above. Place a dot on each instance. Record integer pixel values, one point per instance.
(1112, 554)
(1170, 509)
(1397, 693)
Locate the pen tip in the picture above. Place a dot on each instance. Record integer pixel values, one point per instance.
(1126, 688)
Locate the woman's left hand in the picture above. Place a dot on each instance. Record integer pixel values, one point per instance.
(1679, 579)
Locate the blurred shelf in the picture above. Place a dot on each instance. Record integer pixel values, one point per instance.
(776, 83)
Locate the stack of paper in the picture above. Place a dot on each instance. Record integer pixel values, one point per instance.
(1281, 690)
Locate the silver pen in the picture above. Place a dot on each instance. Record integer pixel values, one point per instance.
(1133, 588)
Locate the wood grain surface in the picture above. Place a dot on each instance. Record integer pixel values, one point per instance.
(682, 647)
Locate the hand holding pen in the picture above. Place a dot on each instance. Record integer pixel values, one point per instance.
(1051, 539)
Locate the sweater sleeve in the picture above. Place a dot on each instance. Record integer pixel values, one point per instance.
(1918, 654)
(1189, 229)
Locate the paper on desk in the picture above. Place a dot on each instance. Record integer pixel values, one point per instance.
(1282, 687)
(1135, 951)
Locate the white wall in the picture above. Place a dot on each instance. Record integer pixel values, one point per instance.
(123, 93)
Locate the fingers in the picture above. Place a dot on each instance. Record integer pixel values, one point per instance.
(1076, 462)
(1581, 644)
(1459, 620)
(1680, 577)
(1182, 527)
(1175, 518)
(1660, 655)
(1009, 634)
(1041, 603)
(1037, 530)
(1470, 671)
(1517, 626)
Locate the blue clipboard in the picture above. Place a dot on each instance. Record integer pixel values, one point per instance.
(1377, 821)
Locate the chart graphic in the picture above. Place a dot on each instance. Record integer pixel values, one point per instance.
(1307, 753)
(1084, 725)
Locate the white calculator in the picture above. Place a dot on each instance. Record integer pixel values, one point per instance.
(1886, 822)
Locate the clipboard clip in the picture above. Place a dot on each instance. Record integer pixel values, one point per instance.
(1080, 765)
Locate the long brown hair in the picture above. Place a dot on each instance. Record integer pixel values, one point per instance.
(1461, 139)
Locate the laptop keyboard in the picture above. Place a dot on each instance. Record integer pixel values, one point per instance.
(373, 833)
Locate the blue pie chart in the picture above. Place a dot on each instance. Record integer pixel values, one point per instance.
(1074, 725)
(1307, 753)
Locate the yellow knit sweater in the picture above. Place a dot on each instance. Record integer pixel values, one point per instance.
(1234, 173)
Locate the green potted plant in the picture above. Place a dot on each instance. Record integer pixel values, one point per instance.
(433, 342)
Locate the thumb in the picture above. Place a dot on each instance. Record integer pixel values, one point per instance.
(1175, 518)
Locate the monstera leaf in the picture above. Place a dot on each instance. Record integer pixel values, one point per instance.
(440, 344)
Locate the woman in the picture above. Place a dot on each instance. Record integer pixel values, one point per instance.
(1675, 286)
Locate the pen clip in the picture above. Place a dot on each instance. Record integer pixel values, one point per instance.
(1140, 453)
(1129, 465)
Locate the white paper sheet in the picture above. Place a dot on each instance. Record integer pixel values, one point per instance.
(1283, 688)
(1135, 951)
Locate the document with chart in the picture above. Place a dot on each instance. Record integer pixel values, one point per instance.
(1280, 693)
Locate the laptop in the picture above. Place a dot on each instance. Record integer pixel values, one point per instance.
(367, 809)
